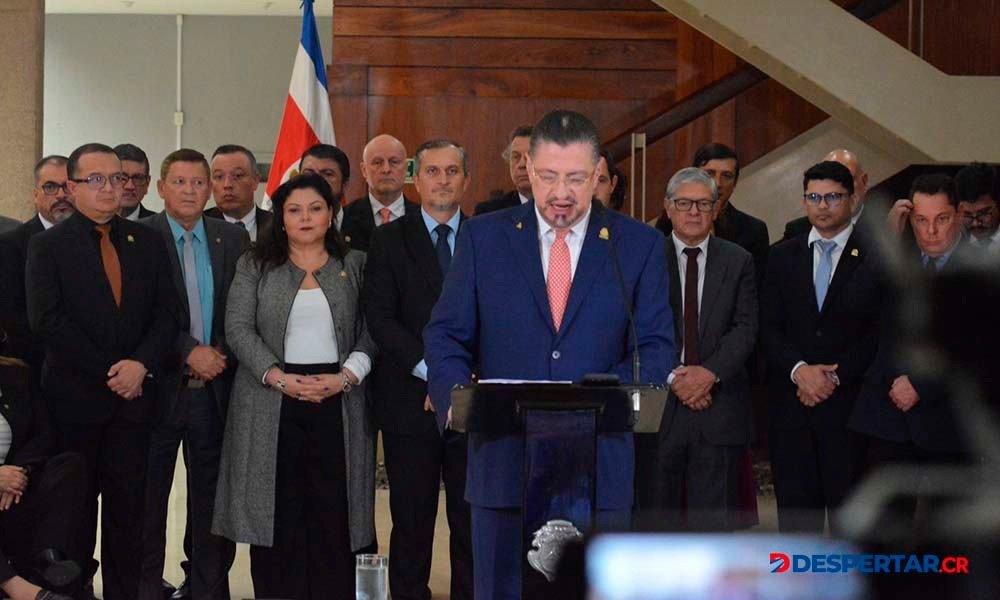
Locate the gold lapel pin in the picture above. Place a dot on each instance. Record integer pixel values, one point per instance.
(343, 273)
(854, 252)
(519, 226)
(130, 238)
(218, 240)
(347, 239)
(604, 235)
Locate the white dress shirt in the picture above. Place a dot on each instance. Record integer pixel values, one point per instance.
(841, 242)
(134, 215)
(547, 237)
(524, 199)
(682, 260)
(990, 244)
(45, 222)
(249, 221)
(6, 438)
(397, 209)
(311, 335)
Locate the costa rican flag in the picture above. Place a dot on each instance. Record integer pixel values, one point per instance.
(307, 119)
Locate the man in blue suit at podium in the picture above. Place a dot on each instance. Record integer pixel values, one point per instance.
(533, 294)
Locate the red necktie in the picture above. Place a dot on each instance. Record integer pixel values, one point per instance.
(385, 214)
(560, 277)
(691, 356)
(112, 267)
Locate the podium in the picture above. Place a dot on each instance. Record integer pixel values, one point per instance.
(559, 424)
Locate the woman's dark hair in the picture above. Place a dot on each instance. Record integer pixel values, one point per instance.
(271, 249)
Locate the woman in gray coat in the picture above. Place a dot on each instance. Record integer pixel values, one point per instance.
(297, 477)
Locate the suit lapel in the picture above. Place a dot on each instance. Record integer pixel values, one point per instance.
(673, 270)
(850, 258)
(522, 231)
(176, 272)
(715, 274)
(217, 252)
(804, 273)
(419, 246)
(594, 254)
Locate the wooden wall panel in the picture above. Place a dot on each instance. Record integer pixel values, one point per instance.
(962, 37)
(521, 83)
(502, 23)
(507, 53)
(524, 4)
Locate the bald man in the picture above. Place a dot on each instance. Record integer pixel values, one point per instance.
(853, 164)
(383, 165)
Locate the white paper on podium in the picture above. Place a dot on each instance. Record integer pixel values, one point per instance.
(517, 381)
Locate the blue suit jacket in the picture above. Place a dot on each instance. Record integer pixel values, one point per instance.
(493, 317)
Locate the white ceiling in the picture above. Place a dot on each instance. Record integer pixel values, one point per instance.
(185, 7)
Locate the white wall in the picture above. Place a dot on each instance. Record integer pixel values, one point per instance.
(112, 79)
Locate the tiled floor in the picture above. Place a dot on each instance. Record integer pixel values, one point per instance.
(239, 577)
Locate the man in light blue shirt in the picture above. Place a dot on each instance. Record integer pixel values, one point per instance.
(194, 384)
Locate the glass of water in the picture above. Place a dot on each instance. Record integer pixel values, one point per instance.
(371, 577)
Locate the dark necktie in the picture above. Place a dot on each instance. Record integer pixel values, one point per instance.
(931, 266)
(112, 266)
(442, 248)
(241, 225)
(691, 356)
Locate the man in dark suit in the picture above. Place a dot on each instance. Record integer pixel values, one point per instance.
(383, 165)
(235, 178)
(905, 416)
(332, 164)
(53, 205)
(821, 306)
(101, 299)
(516, 155)
(801, 225)
(8, 224)
(135, 165)
(707, 425)
(196, 376)
(749, 232)
(532, 293)
(407, 262)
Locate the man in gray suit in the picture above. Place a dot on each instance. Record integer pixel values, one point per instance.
(707, 424)
(196, 376)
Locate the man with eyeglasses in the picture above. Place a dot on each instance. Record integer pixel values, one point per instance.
(234, 181)
(100, 297)
(533, 293)
(383, 165)
(516, 156)
(53, 205)
(331, 164)
(688, 472)
(819, 326)
(135, 165)
(853, 163)
(978, 189)
(195, 379)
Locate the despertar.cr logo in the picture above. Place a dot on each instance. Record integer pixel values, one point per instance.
(780, 562)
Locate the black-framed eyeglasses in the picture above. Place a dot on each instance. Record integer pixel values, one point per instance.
(833, 199)
(97, 181)
(983, 216)
(137, 179)
(51, 188)
(684, 204)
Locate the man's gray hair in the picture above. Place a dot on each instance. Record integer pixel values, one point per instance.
(692, 175)
(435, 145)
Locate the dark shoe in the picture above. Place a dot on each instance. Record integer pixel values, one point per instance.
(53, 568)
(168, 590)
(183, 591)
